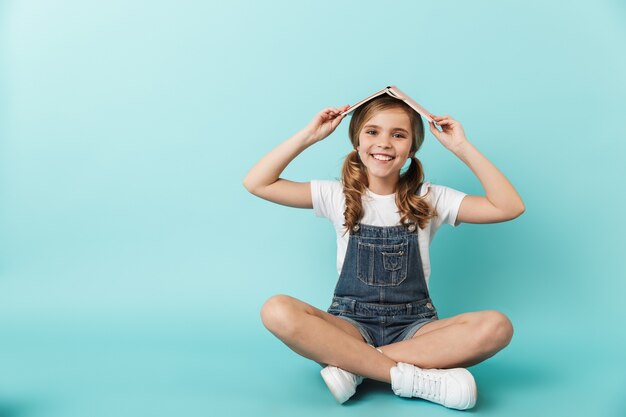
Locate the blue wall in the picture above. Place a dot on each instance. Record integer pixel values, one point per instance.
(126, 129)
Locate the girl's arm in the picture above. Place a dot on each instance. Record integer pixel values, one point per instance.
(263, 179)
(502, 202)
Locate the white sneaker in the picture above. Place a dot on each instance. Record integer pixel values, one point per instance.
(342, 384)
(453, 388)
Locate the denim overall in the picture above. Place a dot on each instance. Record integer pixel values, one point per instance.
(381, 288)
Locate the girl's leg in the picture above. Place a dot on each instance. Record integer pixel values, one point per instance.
(456, 342)
(324, 338)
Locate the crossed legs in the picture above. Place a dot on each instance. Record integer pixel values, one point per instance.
(459, 341)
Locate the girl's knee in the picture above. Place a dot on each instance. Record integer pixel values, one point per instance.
(495, 329)
(279, 313)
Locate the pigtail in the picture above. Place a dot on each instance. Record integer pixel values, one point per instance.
(354, 185)
(413, 208)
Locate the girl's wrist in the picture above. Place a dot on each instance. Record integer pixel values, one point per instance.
(462, 148)
(306, 137)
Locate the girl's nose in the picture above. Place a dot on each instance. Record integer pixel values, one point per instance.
(384, 142)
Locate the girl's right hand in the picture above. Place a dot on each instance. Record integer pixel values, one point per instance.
(325, 122)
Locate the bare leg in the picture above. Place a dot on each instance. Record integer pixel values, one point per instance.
(459, 341)
(324, 338)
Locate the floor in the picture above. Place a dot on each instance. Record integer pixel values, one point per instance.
(163, 369)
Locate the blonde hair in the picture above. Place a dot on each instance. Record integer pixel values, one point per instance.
(412, 207)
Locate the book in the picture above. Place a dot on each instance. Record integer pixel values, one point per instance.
(395, 92)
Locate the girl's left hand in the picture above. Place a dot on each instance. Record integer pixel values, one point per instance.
(452, 136)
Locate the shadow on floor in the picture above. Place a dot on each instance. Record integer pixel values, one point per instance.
(17, 408)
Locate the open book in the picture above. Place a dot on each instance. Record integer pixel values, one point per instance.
(395, 92)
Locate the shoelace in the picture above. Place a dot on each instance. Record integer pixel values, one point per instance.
(427, 385)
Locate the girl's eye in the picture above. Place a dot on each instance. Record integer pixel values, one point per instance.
(399, 134)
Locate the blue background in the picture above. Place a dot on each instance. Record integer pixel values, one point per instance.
(133, 263)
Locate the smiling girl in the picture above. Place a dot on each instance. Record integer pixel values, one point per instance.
(382, 323)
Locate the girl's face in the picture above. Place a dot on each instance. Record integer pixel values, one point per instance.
(385, 144)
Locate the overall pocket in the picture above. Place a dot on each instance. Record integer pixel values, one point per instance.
(382, 265)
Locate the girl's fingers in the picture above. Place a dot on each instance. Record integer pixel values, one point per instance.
(337, 109)
(446, 122)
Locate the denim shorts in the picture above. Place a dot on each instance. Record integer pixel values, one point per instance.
(383, 324)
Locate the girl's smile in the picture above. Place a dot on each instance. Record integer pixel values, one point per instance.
(381, 157)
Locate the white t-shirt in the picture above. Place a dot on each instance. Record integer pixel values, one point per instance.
(381, 210)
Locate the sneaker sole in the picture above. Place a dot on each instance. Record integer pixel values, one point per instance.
(340, 390)
(472, 394)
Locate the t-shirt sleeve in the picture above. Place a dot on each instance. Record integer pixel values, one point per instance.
(447, 202)
(327, 198)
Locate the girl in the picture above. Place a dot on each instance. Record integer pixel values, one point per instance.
(382, 323)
